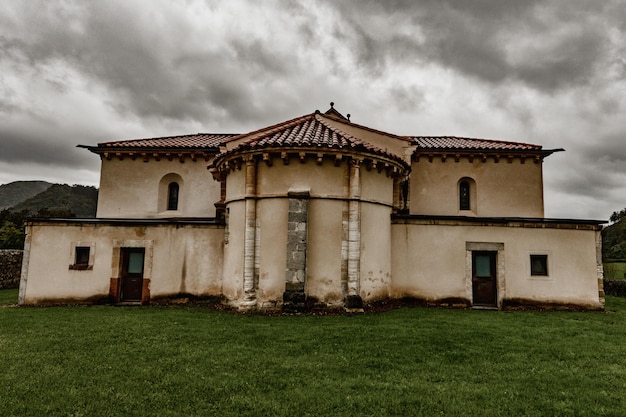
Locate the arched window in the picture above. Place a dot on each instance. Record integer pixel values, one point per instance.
(464, 195)
(172, 196)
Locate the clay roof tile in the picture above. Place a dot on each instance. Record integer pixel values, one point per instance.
(460, 143)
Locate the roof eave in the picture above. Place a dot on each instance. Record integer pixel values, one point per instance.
(465, 151)
(101, 150)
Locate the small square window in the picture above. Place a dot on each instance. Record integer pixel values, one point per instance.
(81, 258)
(539, 265)
(82, 255)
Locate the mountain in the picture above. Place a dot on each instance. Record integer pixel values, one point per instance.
(15, 192)
(77, 200)
(614, 241)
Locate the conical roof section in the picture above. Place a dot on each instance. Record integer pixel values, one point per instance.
(311, 131)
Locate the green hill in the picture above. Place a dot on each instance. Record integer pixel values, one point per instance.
(67, 200)
(56, 200)
(15, 192)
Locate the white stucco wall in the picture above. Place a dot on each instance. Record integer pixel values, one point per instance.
(501, 189)
(430, 262)
(328, 186)
(324, 258)
(185, 259)
(133, 189)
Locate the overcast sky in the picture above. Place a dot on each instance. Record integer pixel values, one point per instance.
(546, 72)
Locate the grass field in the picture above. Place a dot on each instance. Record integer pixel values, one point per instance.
(192, 360)
(615, 270)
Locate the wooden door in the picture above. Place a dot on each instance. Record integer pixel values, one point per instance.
(484, 279)
(132, 273)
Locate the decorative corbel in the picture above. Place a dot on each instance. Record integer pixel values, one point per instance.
(356, 161)
(216, 174)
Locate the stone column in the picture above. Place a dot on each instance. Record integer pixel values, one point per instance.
(294, 297)
(249, 248)
(354, 300)
(397, 195)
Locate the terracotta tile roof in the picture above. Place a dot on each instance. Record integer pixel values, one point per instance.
(311, 130)
(462, 144)
(197, 141)
(308, 131)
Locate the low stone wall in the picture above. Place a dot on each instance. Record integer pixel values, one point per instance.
(615, 287)
(10, 268)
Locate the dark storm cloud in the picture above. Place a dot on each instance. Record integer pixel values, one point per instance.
(147, 64)
(46, 148)
(546, 46)
(586, 180)
(538, 71)
(596, 170)
(608, 151)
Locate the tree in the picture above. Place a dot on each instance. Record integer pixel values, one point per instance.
(11, 237)
(617, 216)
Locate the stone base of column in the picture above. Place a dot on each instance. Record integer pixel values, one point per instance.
(354, 304)
(247, 305)
(294, 299)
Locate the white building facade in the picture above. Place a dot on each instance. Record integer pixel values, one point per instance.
(317, 212)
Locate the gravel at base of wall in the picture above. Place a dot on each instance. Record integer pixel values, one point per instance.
(10, 268)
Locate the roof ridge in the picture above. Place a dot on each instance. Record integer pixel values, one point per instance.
(370, 129)
(356, 142)
(270, 129)
(333, 129)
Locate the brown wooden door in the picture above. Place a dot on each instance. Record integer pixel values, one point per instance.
(132, 273)
(484, 278)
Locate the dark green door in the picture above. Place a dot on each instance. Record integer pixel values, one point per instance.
(484, 275)
(132, 273)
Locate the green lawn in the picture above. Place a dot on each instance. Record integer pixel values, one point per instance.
(615, 270)
(191, 360)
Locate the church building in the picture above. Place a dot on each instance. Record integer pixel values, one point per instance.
(317, 212)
